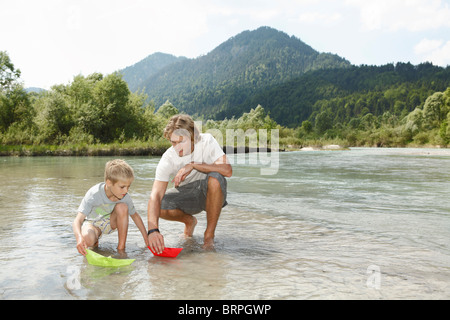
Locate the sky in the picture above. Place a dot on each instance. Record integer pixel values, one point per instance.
(51, 41)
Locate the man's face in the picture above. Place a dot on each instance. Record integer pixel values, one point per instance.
(182, 144)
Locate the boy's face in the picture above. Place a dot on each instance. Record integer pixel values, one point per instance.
(119, 189)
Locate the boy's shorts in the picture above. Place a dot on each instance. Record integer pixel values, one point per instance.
(191, 198)
(103, 224)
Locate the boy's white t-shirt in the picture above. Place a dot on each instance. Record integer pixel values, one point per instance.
(206, 150)
(96, 205)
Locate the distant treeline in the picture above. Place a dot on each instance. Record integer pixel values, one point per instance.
(348, 93)
(404, 108)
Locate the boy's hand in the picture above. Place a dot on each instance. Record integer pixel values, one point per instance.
(81, 246)
(156, 242)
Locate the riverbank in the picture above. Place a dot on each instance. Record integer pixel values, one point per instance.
(103, 150)
(158, 146)
(155, 149)
(85, 150)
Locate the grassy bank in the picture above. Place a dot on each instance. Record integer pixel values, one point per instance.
(157, 148)
(86, 150)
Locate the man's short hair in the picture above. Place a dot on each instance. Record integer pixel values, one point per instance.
(184, 126)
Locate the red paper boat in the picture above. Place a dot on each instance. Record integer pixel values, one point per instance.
(168, 252)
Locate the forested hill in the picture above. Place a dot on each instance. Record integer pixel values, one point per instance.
(235, 71)
(291, 80)
(349, 93)
(136, 74)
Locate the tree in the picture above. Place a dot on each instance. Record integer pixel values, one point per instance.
(8, 74)
(167, 110)
(15, 106)
(54, 119)
(307, 126)
(433, 116)
(110, 98)
(445, 130)
(323, 122)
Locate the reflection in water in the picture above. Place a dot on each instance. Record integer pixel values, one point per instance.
(310, 232)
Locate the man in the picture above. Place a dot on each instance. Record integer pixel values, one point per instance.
(198, 166)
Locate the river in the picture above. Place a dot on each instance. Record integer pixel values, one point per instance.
(358, 224)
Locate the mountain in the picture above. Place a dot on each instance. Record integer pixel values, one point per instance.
(136, 74)
(34, 89)
(291, 80)
(237, 69)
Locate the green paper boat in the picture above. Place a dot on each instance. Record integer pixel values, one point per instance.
(98, 260)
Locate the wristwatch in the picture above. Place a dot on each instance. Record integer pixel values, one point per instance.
(153, 230)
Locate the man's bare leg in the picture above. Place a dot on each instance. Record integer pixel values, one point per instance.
(178, 215)
(214, 204)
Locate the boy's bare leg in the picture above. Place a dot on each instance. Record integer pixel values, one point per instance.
(214, 204)
(178, 215)
(90, 235)
(119, 221)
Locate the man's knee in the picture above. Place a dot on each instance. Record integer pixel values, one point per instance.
(215, 181)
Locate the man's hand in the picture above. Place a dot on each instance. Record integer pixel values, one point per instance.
(156, 242)
(182, 174)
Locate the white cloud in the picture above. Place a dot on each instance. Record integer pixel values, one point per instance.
(435, 51)
(320, 18)
(427, 46)
(53, 40)
(410, 15)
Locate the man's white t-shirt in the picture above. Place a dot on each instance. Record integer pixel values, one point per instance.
(206, 150)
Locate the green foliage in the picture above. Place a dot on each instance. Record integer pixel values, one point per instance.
(255, 119)
(359, 106)
(136, 74)
(432, 113)
(15, 107)
(307, 127)
(167, 110)
(249, 124)
(16, 112)
(8, 74)
(53, 117)
(93, 109)
(323, 122)
(350, 93)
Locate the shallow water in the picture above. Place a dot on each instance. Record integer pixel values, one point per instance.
(359, 224)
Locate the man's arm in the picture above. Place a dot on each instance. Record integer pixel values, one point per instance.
(221, 166)
(155, 239)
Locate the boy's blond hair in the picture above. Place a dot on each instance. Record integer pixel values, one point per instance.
(116, 170)
(184, 126)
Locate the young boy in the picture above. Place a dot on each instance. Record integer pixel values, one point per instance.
(106, 207)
